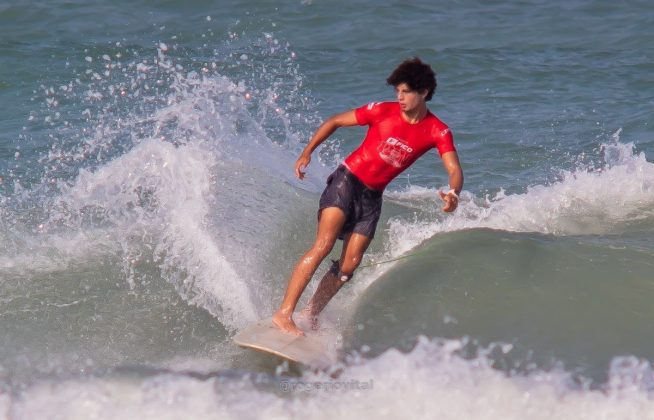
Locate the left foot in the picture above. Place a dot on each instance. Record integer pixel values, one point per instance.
(285, 323)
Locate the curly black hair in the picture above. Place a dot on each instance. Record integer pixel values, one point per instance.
(416, 74)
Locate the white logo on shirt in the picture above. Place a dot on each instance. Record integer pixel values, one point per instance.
(394, 152)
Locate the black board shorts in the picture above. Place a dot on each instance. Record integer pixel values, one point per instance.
(361, 205)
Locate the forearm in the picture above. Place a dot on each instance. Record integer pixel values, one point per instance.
(326, 129)
(455, 173)
(456, 180)
(323, 132)
(453, 168)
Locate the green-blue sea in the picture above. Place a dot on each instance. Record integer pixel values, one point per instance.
(149, 210)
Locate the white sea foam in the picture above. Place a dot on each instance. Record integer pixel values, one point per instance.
(158, 190)
(431, 381)
(582, 202)
(163, 194)
(198, 155)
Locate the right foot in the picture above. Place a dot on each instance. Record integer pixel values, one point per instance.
(286, 324)
(307, 317)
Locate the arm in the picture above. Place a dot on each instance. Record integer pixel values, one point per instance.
(326, 129)
(453, 168)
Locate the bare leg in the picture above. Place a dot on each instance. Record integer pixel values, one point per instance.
(328, 286)
(330, 224)
(354, 247)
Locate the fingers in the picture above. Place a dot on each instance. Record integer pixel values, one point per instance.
(298, 171)
(451, 201)
(300, 166)
(450, 206)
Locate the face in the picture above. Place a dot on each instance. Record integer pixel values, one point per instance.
(409, 99)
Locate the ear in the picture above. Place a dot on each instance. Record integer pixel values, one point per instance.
(424, 94)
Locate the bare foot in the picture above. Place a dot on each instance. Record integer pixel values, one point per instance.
(285, 323)
(305, 315)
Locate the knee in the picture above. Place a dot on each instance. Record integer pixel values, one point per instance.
(338, 272)
(348, 265)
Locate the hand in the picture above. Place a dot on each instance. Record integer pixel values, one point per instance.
(301, 164)
(451, 201)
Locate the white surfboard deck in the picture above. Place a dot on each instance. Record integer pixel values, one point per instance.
(312, 350)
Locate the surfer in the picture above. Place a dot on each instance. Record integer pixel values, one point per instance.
(398, 134)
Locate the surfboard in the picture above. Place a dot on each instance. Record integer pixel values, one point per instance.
(312, 350)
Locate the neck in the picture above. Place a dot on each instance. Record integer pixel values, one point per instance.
(416, 115)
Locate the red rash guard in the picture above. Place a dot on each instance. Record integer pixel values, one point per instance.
(391, 144)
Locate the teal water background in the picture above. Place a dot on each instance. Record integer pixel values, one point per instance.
(148, 209)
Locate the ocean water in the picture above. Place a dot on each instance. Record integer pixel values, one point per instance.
(148, 209)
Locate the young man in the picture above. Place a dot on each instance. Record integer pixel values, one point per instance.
(398, 134)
